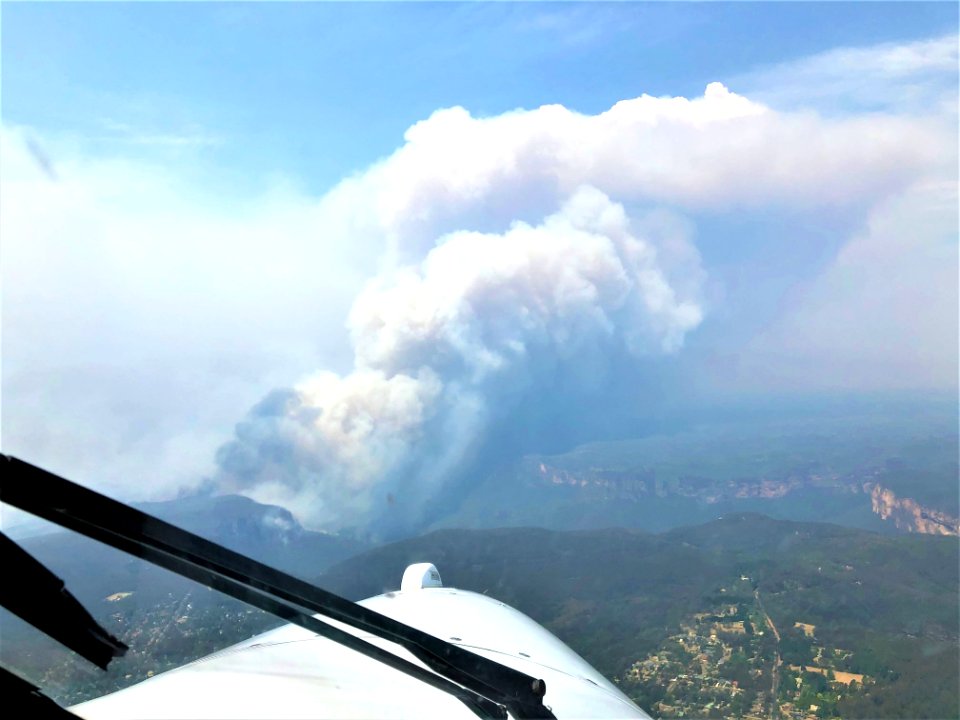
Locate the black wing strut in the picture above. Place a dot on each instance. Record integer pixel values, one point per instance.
(28, 700)
(487, 686)
(39, 597)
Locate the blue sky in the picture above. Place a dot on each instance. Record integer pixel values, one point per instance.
(316, 91)
(205, 203)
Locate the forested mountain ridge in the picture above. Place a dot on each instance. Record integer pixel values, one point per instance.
(887, 603)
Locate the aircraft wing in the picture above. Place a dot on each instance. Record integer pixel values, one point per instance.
(423, 651)
(292, 673)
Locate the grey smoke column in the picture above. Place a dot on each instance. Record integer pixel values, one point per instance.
(451, 345)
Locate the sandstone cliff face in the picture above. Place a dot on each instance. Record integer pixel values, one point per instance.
(907, 514)
(608, 483)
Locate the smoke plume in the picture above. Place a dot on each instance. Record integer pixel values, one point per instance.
(448, 347)
(507, 274)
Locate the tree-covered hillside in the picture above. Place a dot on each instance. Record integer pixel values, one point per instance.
(890, 603)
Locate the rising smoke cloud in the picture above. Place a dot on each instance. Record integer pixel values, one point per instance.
(448, 347)
(506, 269)
(720, 151)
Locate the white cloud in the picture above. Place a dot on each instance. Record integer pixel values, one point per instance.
(141, 317)
(572, 25)
(124, 133)
(719, 151)
(913, 77)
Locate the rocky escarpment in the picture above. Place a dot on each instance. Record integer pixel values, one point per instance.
(905, 513)
(908, 514)
(613, 484)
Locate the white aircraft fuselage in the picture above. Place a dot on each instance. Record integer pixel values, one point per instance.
(290, 672)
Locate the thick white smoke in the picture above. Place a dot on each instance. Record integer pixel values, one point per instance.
(719, 151)
(446, 347)
(505, 276)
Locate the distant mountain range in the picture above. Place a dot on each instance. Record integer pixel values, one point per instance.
(266, 533)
